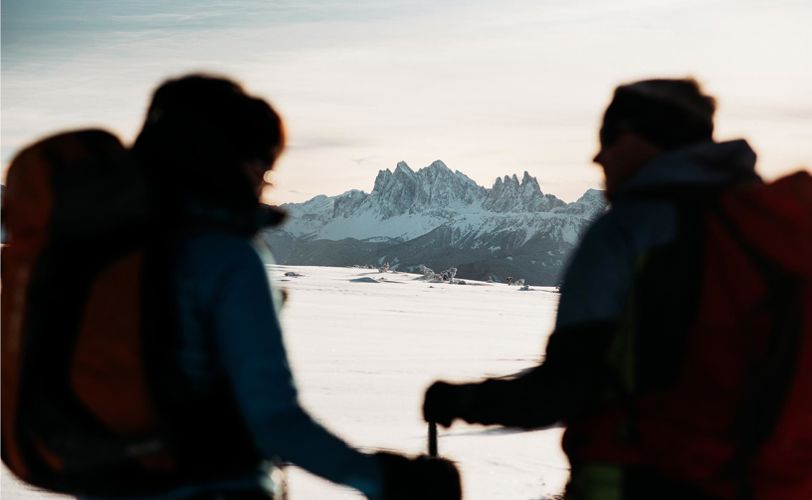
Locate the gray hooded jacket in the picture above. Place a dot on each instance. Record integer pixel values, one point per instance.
(599, 276)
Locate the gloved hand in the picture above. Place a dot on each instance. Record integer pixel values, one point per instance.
(445, 402)
(421, 478)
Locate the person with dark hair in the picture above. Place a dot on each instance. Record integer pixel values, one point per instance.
(647, 118)
(660, 164)
(207, 145)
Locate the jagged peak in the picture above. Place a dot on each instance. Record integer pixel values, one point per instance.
(382, 179)
(403, 166)
(511, 180)
(531, 182)
(437, 167)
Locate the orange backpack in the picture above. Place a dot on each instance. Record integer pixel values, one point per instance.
(87, 329)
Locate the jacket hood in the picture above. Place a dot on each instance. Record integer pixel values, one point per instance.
(708, 164)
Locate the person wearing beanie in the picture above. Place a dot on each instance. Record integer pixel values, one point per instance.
(658, 156)
(207, 146)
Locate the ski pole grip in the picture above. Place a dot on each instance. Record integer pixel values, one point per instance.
(433, 439)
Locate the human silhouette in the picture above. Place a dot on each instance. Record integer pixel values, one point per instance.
(671, 364)
(209, 145)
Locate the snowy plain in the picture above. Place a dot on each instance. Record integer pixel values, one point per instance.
(364, 350)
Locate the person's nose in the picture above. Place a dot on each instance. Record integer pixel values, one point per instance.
(598, 157)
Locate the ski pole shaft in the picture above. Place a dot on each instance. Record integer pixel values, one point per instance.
(432, 439)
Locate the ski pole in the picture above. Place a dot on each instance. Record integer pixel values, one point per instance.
(433, 439)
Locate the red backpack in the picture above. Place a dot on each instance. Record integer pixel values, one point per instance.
(91, 405)
(714, 368)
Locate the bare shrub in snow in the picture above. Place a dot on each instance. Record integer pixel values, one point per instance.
(446, 276)
(427, 272)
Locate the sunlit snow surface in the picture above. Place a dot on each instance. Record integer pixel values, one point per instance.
(363, 352)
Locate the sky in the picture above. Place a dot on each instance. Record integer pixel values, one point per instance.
(491, 87)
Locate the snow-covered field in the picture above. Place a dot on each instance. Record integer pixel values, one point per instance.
(364, 350)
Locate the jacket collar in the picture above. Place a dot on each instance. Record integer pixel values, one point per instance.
(709, 164)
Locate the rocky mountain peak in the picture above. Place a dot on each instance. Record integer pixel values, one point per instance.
(508, 194)
(530, 184)
(438, 165)
(431, 188)
(590, 204)
(436, 191)
(403, 167)
(439, 217)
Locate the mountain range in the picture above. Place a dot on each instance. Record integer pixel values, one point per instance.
(441, 219)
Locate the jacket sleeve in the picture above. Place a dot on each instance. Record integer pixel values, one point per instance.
(248, 339)
(593, 298)
(559, 388)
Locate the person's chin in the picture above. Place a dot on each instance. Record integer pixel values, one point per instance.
(608, 192)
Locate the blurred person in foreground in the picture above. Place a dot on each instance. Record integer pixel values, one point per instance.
(683, 324)
(208, 146)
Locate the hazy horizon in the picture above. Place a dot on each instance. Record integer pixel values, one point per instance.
(490, 88)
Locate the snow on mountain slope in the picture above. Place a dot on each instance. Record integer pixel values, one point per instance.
(405, 205)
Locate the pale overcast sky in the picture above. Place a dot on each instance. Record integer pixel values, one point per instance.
(490, 87)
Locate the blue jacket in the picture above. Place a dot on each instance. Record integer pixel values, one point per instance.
(230, 333)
